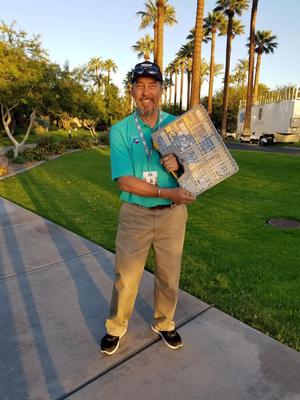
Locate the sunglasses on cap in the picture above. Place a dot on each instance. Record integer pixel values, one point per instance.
(149, 68)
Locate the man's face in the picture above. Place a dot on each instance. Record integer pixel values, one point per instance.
(146, 93)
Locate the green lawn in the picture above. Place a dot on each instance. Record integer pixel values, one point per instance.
(232, 258)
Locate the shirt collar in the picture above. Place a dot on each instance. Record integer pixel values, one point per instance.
(145, 125)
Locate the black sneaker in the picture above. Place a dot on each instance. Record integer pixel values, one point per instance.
(110, 344)
(171, 338)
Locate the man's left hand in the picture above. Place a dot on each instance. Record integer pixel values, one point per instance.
(170, 163)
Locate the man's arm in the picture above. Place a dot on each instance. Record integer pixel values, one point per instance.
(139, 187)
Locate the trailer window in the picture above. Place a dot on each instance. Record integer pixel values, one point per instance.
(259, 114)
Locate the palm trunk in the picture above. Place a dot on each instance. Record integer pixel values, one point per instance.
(181, 84)
(160, 33)
(249, 100)
(175, 89)
(196, 74)
(256, 82)
(171, 89)
(98, 79)
(226, 78)
(155, 41)
(212, 71)
(188, 101)
(189, 72)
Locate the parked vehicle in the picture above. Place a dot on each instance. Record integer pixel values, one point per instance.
(276, 114)
(267, 138)
(230, 136)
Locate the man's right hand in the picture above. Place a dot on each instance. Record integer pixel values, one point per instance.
(179, 196)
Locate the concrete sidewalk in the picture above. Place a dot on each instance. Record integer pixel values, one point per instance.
(55, 289)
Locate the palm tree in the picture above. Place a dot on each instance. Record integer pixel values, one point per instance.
(230, 8)
(264, 44)
(127, 88)
(160, 33)
(205, 71)
(186, 53)
(191, 36)
(144, 47)
(127, 82)
(214, 22)
(95, 65)
(249, 98)
(109, 66)
(168, 76)
(240, 71)
(196, 69)
(181, 60)
(149, 18)
(237, 28)
(176, 69)
(166, 85)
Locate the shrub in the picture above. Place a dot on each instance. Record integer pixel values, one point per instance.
(52, 128)
(36, 154)
(46, 140)
(104, 137)
(173, 109)
(39, 129)
(78, 143)
(9, 154)
(49, 146)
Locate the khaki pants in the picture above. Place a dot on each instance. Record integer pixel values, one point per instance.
(139, 229)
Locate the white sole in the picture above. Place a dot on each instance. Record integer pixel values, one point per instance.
(168, 344)
(109, 353)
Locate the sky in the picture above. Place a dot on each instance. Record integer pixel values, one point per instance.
(79, 30)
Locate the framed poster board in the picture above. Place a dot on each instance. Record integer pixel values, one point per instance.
(199, 148)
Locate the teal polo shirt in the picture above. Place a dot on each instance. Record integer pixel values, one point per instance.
(128, 157)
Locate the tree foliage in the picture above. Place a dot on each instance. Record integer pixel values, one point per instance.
(31, 86)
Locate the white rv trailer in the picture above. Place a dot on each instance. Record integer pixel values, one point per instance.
(276, 113)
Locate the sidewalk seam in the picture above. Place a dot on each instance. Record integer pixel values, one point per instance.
(56, 263)
(129, 356)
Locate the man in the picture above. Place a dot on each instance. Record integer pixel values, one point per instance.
(153, 213)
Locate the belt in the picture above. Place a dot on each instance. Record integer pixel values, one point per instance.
(160, 207)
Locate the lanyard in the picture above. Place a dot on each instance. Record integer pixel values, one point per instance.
(138, 126)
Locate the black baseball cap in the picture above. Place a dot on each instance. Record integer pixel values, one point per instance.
(146, 68)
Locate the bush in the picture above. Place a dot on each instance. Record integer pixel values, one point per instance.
(52, 128)
(173, 109)
(77, 143)
(10, 154)
(36, 154)
(46, 140)
(39, 130)
(104, 137)
(49, 146)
